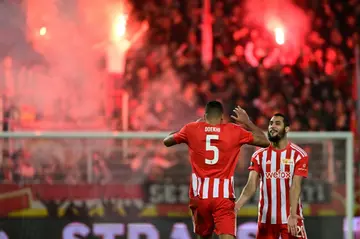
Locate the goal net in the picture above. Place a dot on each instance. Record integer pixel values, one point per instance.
(49, 164)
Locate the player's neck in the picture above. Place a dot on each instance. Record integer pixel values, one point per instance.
(213, 121)
(281, 144)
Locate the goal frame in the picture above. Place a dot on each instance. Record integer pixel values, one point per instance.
(347, 136)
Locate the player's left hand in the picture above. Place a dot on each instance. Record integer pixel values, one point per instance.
(237, 207)
(292, 224)
(240, 115)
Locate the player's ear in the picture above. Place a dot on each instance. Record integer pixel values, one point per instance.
(287, 129)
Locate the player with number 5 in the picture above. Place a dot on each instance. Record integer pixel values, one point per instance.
(214, 148)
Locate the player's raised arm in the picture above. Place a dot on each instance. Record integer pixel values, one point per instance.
(259, 138)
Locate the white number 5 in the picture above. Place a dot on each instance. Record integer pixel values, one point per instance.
(213, 148)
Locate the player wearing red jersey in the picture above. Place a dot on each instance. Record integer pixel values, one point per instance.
(280, 169)
(214, 148)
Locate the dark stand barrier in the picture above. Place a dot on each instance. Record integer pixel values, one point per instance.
(144, 228)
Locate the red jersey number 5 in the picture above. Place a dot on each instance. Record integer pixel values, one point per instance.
(210, 147)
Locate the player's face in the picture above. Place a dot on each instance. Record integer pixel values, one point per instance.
(276, 129)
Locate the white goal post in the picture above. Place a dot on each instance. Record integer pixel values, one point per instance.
(307, 137)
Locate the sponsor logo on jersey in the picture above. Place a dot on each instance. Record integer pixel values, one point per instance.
(303, 168)
(278, 174)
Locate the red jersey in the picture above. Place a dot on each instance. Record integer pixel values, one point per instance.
(276, 169)
(214, 151)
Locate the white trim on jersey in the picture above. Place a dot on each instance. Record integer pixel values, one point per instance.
(283, 191)
(264, 191)
(273, 192)
(216, 188)
(202, 187)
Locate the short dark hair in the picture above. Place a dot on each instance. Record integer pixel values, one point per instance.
(285, 119)
(214, 108)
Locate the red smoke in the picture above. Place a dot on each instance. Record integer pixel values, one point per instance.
(275, 14)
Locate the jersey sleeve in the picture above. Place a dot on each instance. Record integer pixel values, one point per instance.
(182, 135)
(255, 163)
(301, 166)
(244, 136)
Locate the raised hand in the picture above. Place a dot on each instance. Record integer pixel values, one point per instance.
(240, 115)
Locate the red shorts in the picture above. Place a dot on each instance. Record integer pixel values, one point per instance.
(213, 215)
(274, 231)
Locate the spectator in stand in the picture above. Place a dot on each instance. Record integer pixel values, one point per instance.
(25, 170)
(7, 169)
(101, 173)
(312, 85)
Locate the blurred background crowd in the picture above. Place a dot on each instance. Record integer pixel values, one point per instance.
(313, 84)
(168, 78)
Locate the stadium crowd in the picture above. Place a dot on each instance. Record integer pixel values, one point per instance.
(315, 89)
(169, 85)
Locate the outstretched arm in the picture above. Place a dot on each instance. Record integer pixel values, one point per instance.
(170, 140)
(178, 137)
(260, 138)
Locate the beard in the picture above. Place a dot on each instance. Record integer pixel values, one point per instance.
(276, 138)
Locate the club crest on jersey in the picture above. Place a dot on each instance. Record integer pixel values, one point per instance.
(287, 161)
